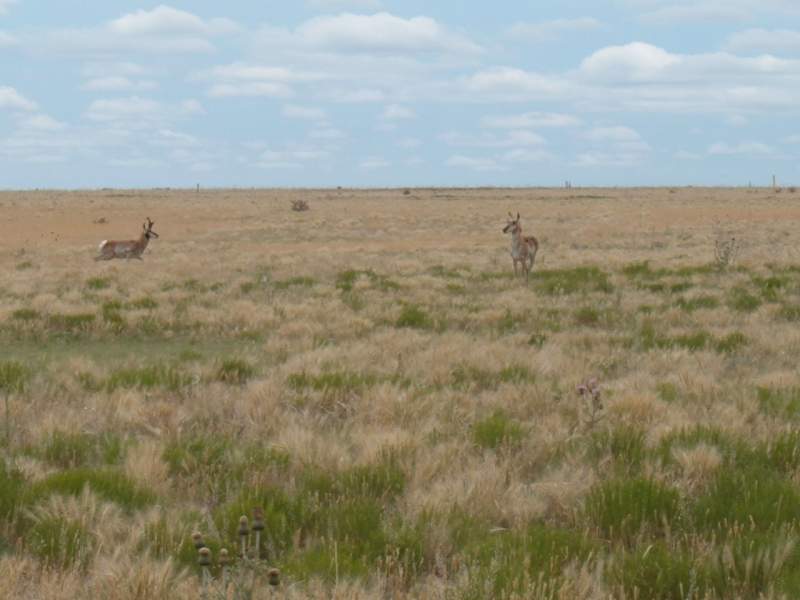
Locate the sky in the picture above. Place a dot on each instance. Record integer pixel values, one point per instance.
(373, 93)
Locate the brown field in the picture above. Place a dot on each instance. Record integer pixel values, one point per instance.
(404, 410)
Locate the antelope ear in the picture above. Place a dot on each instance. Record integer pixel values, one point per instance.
(517, 216)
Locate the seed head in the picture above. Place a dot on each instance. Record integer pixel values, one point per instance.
(258, 519)
(224, 559)
(274, 577)
(205, 557)
(244, 526)
(197, 539)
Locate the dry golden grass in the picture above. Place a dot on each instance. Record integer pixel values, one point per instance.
(260, 349)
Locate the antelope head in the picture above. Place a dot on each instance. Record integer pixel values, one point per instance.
(513, 224)
(147, 228)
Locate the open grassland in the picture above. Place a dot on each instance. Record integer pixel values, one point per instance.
(370, 374)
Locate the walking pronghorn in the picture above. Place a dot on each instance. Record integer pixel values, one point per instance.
(523, 249)
(129, 248)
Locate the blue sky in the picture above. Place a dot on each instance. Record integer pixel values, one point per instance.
(312, 93)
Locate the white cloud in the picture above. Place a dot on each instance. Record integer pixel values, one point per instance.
(374, 162)
(514, 84)
(530, 120)
(511, 140)
(167, 20)
(526, 155)
(687, 155)
(7, 40)
(382, 32)
(162, 30)
(294, 111)
(135, 162)
(345, 4)
(191, 107)
(123, 108)
(751, 148)
(711, 13)
(612, 134)
(397, 112)
(5, 5)
(781, 41)
(117, 84)
(259, 88)
(547, 31)
(41, 122)
(475, 164)
(11, 98)
(327, 133)
(635, 61)
(409, 143)
(608, 159)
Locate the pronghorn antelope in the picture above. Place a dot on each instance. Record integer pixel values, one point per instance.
(523, 249)
(129, 248)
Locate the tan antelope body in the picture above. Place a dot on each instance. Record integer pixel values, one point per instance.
(128, 248)
(523, 249)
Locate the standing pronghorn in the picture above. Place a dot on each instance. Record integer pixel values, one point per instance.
(523, 249)
(129, 248)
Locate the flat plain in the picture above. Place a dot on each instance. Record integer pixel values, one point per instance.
(405, 412)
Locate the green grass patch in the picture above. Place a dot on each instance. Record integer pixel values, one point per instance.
(497, 430)
(68, 450)
(108, 484)
(749, 497)
(299, 281)
(444, 272)
(583, 280)
(14, 377)
(336, 382)
(146, 378)
(413, 316)
(12, 485)
(781, 403)
(789, 312)
(26, 314)
(731, 343)
(73, 323)
(143, 303)
(741, 300)
(345, 281)
(622, 508)
(468, 377)
(770, 288)
(659, 572)
(60, 543)
(624, 446)
(697, 303)
(235, 371)
(98, 283)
